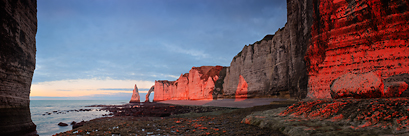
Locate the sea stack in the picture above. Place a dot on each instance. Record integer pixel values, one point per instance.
(17, 63)
(135, 95)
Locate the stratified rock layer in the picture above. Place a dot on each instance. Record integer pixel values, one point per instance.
(275, 65)
(198, 84)
(17, 63)
(357, 37)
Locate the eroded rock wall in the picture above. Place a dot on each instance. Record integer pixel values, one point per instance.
(275, 65)
(198, 84)
(18, 29)
(357, 37)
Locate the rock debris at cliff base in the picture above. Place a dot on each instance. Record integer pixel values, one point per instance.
(337, 117)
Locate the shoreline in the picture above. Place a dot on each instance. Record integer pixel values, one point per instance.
(155, 118)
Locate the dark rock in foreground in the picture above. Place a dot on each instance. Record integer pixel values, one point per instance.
(18, 21)
(221, 122)
(76, 125)
(400, 77)
(155, 109)
(62, 124)
(337, 117)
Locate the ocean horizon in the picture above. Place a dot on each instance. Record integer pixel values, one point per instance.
(46, 114)
(126, 96)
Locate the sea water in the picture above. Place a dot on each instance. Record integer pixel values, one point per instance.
(48, 124)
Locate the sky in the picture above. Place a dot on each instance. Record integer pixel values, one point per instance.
(99, 49)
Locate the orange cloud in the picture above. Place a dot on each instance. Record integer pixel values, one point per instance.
(84, 87)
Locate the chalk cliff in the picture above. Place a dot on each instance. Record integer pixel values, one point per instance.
(322, 40)
(357, 37)
(275, 65)
(17, 63)
(198, 84)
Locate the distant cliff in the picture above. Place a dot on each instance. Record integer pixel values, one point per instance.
(198, 84)
(275, 65)
(17, 63)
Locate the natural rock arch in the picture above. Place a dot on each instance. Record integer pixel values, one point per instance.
(149, 93)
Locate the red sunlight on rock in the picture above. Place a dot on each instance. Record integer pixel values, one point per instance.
(241, 92)
(198, 84)
(378, 113)
(356, 37)
(395, 88)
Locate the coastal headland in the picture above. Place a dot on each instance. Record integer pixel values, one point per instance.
(346, 62)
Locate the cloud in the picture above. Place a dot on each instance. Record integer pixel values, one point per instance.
(199, 54)
(116, 89)
(84, 87)
(140, 90)
(62, 90)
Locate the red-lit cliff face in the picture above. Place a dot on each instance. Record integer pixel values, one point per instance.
(198, 84)
(357, 37)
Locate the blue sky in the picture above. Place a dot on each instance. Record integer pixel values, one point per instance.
(140, 41)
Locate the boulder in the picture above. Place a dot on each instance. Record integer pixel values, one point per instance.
(79, 124)
(366, 85)
(399, 77)
(135, 95)
(62, 124)
(394, 89)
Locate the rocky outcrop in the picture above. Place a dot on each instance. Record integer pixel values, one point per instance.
(135, 95)
(399, 78)
(242, 88)
(357, 37)
(198, 84)
(275, 65)
(366, 85)
(334, 117)
(17, 63)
